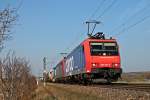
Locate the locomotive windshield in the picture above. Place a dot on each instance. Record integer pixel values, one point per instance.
(104, 49)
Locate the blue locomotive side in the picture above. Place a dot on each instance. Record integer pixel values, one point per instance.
(58, 71)
(75, 62)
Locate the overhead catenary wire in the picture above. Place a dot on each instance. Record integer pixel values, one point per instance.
(130, 18)
(77, 38)
(80, 35)
(94, 13)
(106, 9)
(110, 5)
(132, 25)
(97, 9)
(126, 22)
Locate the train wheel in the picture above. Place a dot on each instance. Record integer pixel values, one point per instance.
(90, 82)
(84, 82)
(109, 81)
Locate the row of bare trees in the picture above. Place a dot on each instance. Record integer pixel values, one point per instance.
(16, 80)
(8, 18)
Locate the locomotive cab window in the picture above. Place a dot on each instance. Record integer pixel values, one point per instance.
(110, 46)
(104, 49)
(96, 46)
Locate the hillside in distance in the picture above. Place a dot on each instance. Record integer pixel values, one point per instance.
(136, 77)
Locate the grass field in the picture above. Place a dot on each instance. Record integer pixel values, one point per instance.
(55, 91)
(136, 77)
(62, 92)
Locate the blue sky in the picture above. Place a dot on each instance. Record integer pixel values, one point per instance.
(49, 27)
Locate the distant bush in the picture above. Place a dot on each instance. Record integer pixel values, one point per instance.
(135, 77)
(147, 75)
(16, 81)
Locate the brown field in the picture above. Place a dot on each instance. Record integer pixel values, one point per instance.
(55, 91)
(136, 77)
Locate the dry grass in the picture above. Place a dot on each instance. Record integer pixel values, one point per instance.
(63, 92)
(136, 77)
(55, 91)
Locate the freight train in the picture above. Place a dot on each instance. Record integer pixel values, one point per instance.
(95, 58)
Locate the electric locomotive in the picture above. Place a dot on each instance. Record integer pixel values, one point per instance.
(95, 58)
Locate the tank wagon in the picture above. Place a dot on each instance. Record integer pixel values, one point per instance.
(95, 58)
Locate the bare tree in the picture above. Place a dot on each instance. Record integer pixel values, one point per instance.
(8, 18)
(16, 81)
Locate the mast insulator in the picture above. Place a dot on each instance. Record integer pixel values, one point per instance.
(99, 35)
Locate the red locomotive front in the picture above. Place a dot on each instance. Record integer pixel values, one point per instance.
(102, 58)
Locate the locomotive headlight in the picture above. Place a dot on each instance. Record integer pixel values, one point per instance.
(94, 65)
(88, 71)
(115, 65)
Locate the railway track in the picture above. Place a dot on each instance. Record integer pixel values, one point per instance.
(115, 91)
(125, 86)
(120, 86)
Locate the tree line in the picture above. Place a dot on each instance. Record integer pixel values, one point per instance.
(16, 80)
